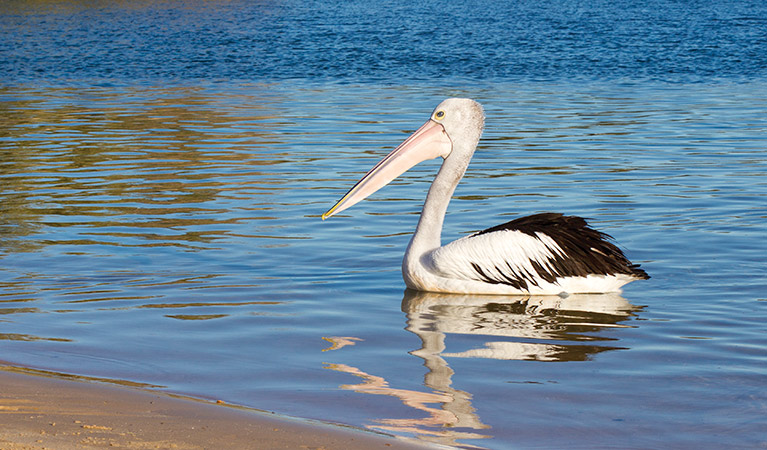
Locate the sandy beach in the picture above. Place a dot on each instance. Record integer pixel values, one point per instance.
(39, 412)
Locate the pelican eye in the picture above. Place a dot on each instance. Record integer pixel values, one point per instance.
(439, 115)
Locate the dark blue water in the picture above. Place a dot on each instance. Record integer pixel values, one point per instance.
(374, 41)
(163, 167)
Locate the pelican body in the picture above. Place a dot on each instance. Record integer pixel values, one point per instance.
(542, 254)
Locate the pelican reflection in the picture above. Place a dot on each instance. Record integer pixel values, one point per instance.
(520, 321)
(516, 328)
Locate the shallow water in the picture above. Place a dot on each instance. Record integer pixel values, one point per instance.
(163, 230)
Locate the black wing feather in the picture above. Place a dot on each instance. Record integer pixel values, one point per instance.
(586, 250)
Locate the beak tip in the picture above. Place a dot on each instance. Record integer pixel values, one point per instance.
(332, 211)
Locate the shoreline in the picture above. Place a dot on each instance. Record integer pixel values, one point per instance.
(42, 412)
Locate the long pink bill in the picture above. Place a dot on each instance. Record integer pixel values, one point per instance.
(428, 142)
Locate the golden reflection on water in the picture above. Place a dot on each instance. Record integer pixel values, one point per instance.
(513, 326)
(29, 338)
(133, 168)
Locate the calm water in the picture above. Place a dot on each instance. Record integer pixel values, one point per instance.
(163, 167)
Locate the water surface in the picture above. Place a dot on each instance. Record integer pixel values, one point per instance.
(159, 217)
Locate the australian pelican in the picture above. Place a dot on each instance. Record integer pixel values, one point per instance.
(542, 254)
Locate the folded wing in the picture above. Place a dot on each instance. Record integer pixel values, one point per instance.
(539, 249)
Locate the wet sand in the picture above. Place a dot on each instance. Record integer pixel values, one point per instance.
(38, 412)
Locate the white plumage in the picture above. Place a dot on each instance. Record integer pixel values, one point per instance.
(508, 253)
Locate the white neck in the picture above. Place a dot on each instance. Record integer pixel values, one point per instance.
(463, 124)
(428, 232)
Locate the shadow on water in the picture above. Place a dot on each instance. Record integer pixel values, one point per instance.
(545, 329)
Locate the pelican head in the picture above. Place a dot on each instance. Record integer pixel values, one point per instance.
(452, 132)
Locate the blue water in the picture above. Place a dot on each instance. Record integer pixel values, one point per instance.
(383, 42)
(163, 167)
